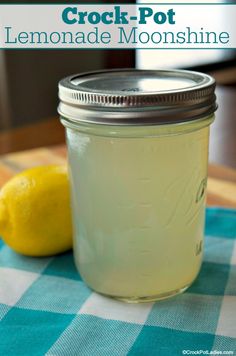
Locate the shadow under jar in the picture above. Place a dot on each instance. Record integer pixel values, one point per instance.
(138, 155)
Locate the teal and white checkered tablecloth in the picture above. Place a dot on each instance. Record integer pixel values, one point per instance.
(46, 309)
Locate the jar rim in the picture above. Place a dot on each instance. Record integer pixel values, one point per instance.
(132, 131)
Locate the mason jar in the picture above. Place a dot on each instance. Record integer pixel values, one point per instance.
(138, 154)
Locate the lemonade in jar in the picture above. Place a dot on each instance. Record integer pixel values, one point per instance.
(138, 154)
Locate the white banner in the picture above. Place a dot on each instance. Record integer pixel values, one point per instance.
(147, 26)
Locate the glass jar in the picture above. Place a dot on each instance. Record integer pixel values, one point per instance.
(138, 153)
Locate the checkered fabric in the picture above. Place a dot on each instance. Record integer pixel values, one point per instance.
(46, 309)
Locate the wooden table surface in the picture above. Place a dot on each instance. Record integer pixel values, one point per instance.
(221, 189)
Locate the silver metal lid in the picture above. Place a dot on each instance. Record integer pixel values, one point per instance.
(137, 97)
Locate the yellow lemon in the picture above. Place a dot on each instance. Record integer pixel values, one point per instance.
(35, 215)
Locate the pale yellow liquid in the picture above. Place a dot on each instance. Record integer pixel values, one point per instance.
(138, 211)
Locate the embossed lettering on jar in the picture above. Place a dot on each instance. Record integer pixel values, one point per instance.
(138, 154)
